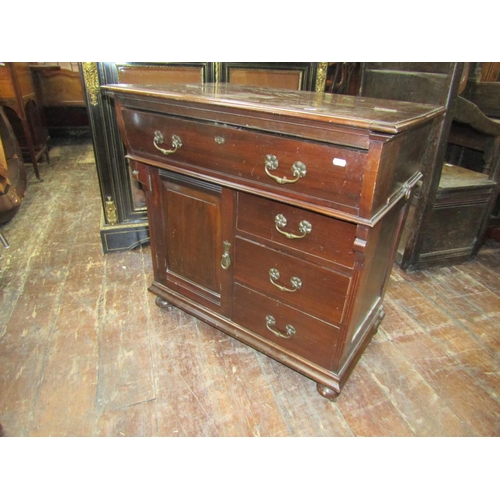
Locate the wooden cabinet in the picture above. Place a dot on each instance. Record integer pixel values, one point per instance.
(125, 223)
(60, 92)
(274, 215)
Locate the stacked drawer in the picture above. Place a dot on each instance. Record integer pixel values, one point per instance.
(292, 274)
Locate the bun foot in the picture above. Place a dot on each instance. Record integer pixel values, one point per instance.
(161, 303)
(326, 392)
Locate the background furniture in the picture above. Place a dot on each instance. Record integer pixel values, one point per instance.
(343, 78)
(13, 178)
(467, 188)
(452, 205)
(18, 96)
(274, 215)
(124, 222)
(59, 90)
(433, 83)
(483, 90)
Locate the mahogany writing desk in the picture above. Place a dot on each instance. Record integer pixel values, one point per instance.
(274, 215)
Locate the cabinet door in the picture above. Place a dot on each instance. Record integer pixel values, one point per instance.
(194, 242)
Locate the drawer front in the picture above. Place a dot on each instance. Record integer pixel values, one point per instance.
(308, 287)
(308, 337)
(326, 172)
(317, 235)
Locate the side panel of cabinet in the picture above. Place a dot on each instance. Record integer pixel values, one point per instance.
(193, 232)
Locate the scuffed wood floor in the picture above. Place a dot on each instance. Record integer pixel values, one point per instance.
(84, 351)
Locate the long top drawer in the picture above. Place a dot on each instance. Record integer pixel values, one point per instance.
(344, 156)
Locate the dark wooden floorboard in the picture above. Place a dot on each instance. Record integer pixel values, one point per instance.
(84, 351)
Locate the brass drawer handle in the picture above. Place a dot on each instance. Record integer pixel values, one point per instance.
(296, 283)
(271, 323)
(299, 170)
(225, 262)
(159, 139)
(304, 227)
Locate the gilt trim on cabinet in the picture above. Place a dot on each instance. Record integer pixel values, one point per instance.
(321, 76)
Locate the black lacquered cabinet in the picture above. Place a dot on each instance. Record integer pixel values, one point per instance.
(124, 222)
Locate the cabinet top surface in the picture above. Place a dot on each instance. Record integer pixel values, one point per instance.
(379, 115)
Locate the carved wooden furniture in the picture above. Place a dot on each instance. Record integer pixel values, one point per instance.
(17, 95)
(274, 215)
(452, 205)
(431, 83)
(124, 209)
(459, 212)
(483, 90)
(467, 188)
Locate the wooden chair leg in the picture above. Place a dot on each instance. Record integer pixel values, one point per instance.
(31, 148)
